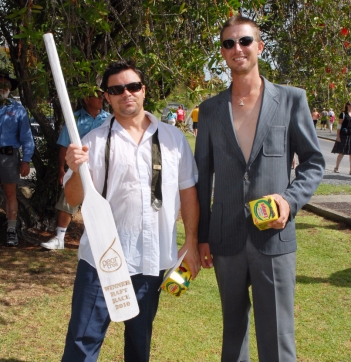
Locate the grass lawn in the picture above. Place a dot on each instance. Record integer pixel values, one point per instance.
(36, 286)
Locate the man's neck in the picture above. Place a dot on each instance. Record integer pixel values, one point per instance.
(94, 112)
(242, 85)
(134, 125)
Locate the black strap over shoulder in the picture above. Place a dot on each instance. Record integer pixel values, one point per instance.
(156, 182)
(107, 158)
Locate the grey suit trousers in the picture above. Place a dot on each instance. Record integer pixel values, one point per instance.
(272, 278)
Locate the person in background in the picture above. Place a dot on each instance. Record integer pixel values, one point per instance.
(90, 116)
(195, 118)
(342, 144)
(15, 133)
(145, 216)
(331, 119)
(247, 137)
(180, 114)
(315, 117)
(324, 119)
(171, 117)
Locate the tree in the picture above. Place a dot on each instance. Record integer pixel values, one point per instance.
(171, 41)
(308, 43)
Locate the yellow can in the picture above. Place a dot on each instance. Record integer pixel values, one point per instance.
(178, 281)
(264, 211)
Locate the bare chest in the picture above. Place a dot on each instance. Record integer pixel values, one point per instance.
(245, 120)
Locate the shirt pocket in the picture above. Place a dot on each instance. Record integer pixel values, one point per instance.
(169, 170)
(274, 143)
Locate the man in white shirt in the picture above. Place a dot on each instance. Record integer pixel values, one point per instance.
(145, 217)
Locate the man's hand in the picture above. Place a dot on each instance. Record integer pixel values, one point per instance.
(284, 212)
(24, 168)
(205, 255)
(191, 258)
(75, 156)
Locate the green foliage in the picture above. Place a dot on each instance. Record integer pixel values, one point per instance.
(170, 41)
(309, 45)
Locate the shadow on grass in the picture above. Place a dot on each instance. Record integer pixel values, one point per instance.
(11, 360)
(341, 278)
(27, 273)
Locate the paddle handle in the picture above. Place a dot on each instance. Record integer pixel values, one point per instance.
(66, 105)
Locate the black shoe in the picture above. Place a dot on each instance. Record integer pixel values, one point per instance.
(12, 239)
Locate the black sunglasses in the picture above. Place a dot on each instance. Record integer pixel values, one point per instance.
(115, 90)
(98, 95)
(245, 41)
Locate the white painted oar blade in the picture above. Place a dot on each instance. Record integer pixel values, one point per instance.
(109, 259)
(98, 219)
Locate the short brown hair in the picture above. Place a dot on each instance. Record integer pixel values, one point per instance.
(238, 20)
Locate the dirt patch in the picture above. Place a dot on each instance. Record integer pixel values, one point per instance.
(30, 271)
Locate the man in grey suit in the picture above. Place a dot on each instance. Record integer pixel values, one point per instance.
(247, 137)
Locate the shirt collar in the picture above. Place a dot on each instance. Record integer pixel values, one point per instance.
(148, 133)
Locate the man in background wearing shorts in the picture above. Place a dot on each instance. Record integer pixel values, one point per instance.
(195, 117)
(14, 133)
(90, 116)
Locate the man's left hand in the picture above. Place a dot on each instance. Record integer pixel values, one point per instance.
(24, 169)
(192, 258)
(284, 212)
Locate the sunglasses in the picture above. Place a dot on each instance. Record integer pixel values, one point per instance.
(98, 95)
(115, 90)
(245, 41)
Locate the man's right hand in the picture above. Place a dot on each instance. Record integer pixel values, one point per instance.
(205, 255)
(75, 156)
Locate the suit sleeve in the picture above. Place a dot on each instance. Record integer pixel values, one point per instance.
(305, 144)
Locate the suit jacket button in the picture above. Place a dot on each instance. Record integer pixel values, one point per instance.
(246, 176)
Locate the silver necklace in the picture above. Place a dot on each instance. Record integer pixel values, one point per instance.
(241, 103)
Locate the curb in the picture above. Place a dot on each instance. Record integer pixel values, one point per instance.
(328, 213)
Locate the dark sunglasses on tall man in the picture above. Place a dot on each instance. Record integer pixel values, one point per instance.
(245, 41)
(115, 90)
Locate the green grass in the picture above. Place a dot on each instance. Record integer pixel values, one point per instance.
(191, 139)
(328, 189)
(35, 297)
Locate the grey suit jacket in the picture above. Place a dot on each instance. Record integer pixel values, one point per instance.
(284, 127)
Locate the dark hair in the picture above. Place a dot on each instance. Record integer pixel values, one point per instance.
(348, 103)
(117, 67)
(238, 20)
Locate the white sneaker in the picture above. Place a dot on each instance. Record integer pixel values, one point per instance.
(53, 244)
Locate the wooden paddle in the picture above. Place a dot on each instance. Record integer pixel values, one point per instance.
(98, 219)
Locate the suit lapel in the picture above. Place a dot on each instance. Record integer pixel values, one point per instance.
(226, 120)
(268, 108)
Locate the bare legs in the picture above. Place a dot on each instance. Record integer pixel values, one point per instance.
(338, 161)
(11, 201)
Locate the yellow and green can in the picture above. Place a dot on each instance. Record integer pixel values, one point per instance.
(178, 281)
(263, 211)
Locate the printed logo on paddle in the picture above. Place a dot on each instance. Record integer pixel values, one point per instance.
(110, 261)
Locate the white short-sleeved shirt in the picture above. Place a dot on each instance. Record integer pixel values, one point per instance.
(148, 237)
